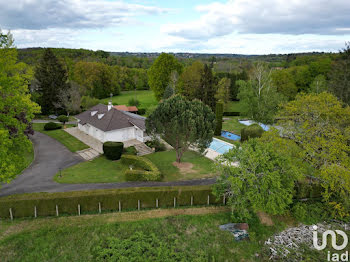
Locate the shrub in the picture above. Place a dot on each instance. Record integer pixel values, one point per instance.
(143, 169)
(133, 102)
(251, 131)
(142, 111)
(63, 119)
(231, 114)
(131, 150)
(52, 126)
(67, 202)
(310, 213)
(156, 144)
(113, 150)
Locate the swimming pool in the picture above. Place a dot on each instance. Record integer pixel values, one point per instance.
(250, 122)
(230, 135)
(220, 146)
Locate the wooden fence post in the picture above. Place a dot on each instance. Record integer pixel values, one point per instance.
(138, 204)
(157, 203)
(191, 200)
(11, 215)
(120, 206)
(35, 212)
(224, 200)
(79, 210)
(174, 201)
(57, 210)
(208, 200)
(99, 207)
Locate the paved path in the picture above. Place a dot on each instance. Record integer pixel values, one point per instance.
(50, 155)
(86, 139)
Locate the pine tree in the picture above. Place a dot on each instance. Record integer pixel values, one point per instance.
(52, 80)
(207, 88)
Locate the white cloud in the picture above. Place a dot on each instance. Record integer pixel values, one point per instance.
(265, 16)
(45, 14)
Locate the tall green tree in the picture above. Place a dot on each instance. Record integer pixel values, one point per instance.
(190, 80)
(159, 75)
(208, 87)
(264, 179)
(340, 76)
(223, 91)
(259, 99)
(183, 124)
(51, 78)
(319, 124)
(284, 82)
(16, 110)
(319, 85)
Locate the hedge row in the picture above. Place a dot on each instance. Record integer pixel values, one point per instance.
(143, 169)
(67, 202)
(231, 114)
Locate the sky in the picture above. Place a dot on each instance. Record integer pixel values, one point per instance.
(206, 26)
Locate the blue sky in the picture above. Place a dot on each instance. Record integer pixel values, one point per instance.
(226, 26)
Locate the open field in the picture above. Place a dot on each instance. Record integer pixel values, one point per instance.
(146, 98)
(102, 170)
(194, 234)
(63, 137)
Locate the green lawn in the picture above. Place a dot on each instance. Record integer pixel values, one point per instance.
(102, 170)
(194, 237)
(202, 166)
(146, 98)
(99, 170)
(232, 125)
(62, 136)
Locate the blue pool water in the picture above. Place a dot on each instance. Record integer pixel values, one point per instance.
(250, 122)
(220, 146)
(230, 135)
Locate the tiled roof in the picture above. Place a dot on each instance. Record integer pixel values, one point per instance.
(111, 120)
(126, 108)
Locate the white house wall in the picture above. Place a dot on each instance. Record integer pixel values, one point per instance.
(121, 135)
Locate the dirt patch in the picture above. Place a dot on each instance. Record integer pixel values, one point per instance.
(265, 219)
(184, 167)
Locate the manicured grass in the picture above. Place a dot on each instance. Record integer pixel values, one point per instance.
(195, 237)
(234, 106)
(99, 170)
(232, 125)
(102, 170)
(146, 98)
(202, 166)
(63, 137)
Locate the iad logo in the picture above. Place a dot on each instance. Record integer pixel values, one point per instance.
(334, 256)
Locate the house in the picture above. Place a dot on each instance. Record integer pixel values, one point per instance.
(131, 109)
(106, 123)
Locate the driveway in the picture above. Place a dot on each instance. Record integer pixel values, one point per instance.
(50, 155)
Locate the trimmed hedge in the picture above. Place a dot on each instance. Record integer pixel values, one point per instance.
(231, 114)
(67, 202)
(52, 126)
(251, 131)
(143, 169)
(113, 150)
(131, 150)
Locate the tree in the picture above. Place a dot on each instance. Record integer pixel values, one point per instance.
(319, 85)
(258, 97)
(183, 124)
(169, 91)
(70, 100)
(16, 110)
(283, 81)
(340, 76)
(190, 81)
(223, 91)
(159, 75)
(219, 112)
(319, 124)
(207, 88)
(52, 79)
(264, 180)
(63, 119)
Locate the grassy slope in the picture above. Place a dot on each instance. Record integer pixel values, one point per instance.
(202, 165)
(99, 170)
(102, 170)
(145, 97)
(63, 137)
(52, 239)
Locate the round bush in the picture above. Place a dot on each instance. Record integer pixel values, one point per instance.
(251, 131)
(52, 126)
(113, 150)
(63, 118)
